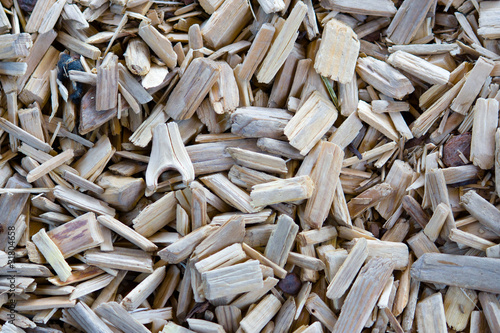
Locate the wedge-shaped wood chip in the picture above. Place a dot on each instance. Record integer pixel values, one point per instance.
(363, 296)
(430, 314)
(283, 190)
(281, 240)
(120, 318)
(168, 152)
(121, 258)
(325, 176)
(368, 199)
(224, 95)
(182, 249)
(257, 51)
(487, 214)
(261, 314)
(347, 272)
(489, 303)
(488, 20)
(384, 78)
(229, 192)
(160, 44)
(49, 165)
(193, 87)
(156, 215)
(472, 86)
(232, 280)
(313, 119)
(87, 319)
(258, 161)
(419, 67)
(142, 291)
(379, 121)
(226, 23)
(82, 201)
(338, 52)
(458, 305)
(282, 44)
(126, 232)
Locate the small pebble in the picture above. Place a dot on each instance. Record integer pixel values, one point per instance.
(290, 284)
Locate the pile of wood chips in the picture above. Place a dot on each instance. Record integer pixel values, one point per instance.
(249, 166)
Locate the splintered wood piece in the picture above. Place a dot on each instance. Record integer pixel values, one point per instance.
(160, 44)
(156, 215)
(487, 214)
(399, 178)
(421, 244)
(226, 257)
(491, 310)
(261, 314)
(383, 77)
(90, 118)
(126, 232)
(231, 231)
(430, 314)
(24, 136)
(257, 51)
(77, 235)
(87, 319)
(256, 122)
(49, 165)
(107, 83)
(347, 131)
(229, 192)
(313, 119)
(409, 17)
(419, 67)
(258, 161)
(232, 280)
(224, 94)
(319, 309)
(379, 121)
(52, 253)
(338, 52)
(142, 291)
(363, 296)
(458, 305)
(182, 248)
(325, 176)
(368, 199)
(225, 23)
(482, 149)
(193, 87)
(305, 261)
(467, 239)
(137, 57)
(121, 258)
(280, 148)
(168, 152)
(82, 201)
(203, 326)
(76, 45)
(472, 85)
(91, 285)
(15, 45)
(90, 165)
(31, 121)
(313, 237)
(363, 7)
(460, 271)
(433, 227)
(120, 318)
(283, 190)
(347, 272)
(281, 240)
(282, 44)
